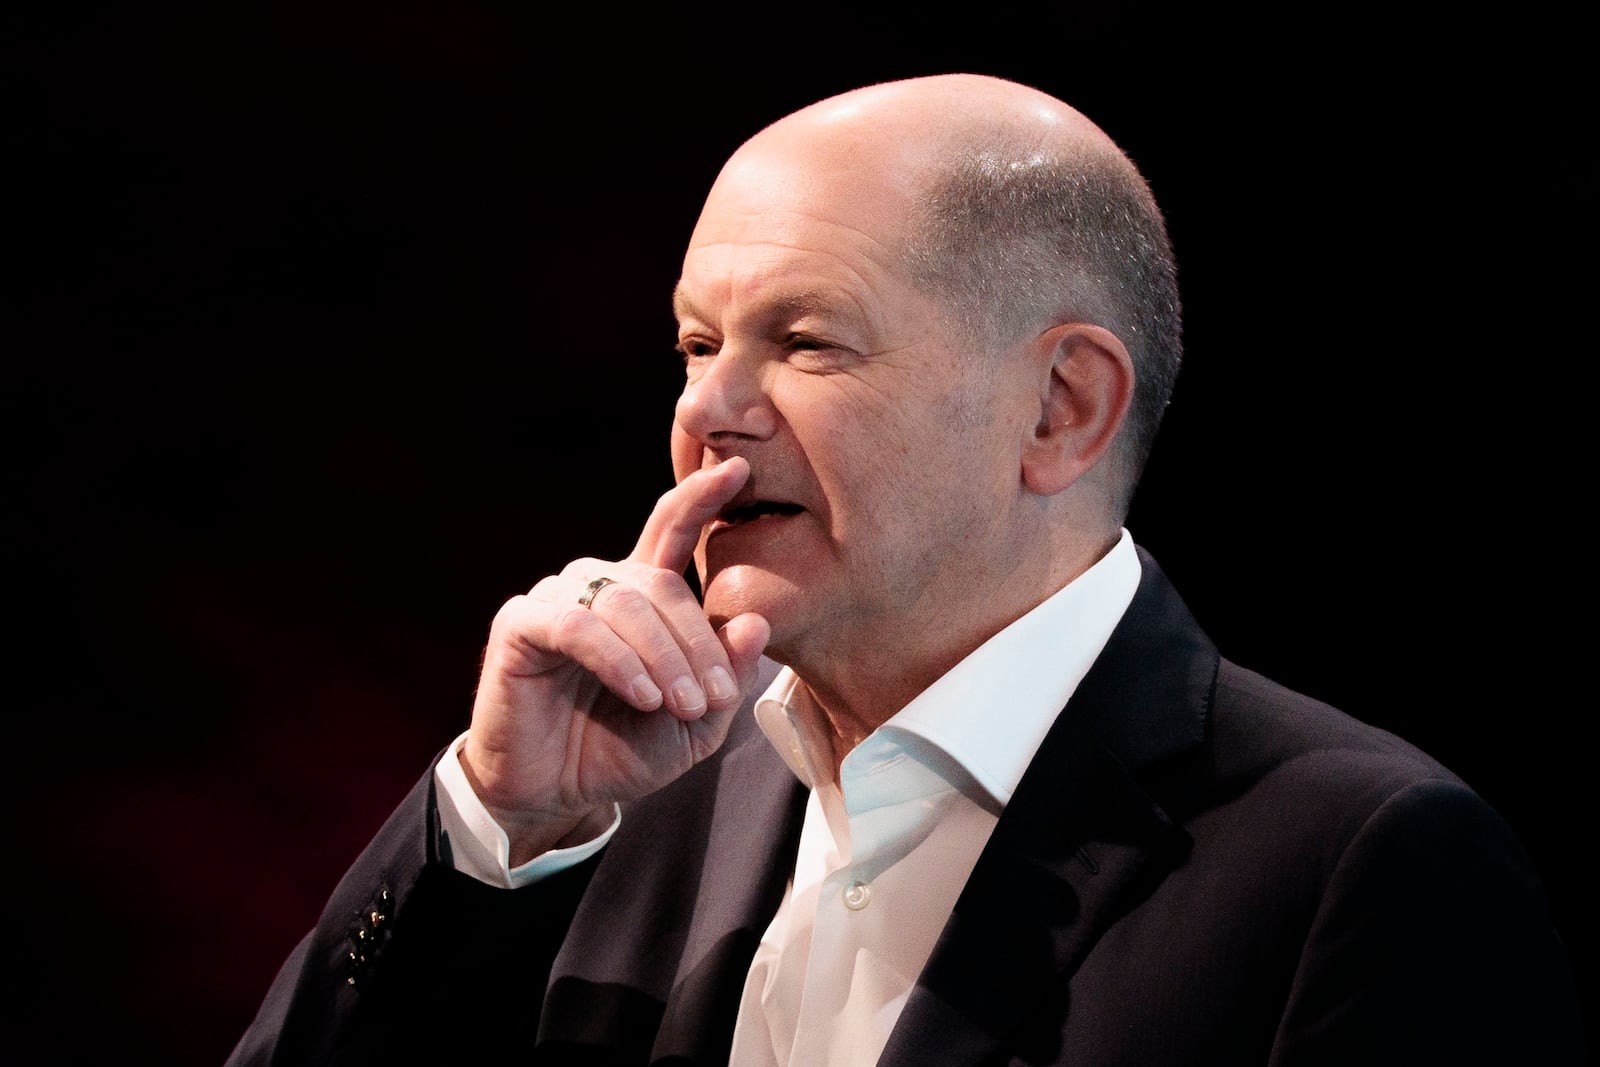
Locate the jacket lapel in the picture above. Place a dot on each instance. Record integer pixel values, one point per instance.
(750, 852)
(1082, 833)
(654, 961)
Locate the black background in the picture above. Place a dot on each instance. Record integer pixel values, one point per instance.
(329, 328)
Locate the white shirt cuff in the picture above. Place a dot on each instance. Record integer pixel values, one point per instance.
(480, 847)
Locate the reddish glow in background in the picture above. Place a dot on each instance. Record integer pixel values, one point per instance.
(327, 333)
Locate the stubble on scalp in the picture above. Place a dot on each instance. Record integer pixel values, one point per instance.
(1011, 235)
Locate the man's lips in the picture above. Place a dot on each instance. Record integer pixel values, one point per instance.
(742, 513)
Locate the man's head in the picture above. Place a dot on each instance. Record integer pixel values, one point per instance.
(939, 318)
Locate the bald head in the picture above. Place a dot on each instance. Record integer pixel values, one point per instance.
(1010, 207)
(939, 111)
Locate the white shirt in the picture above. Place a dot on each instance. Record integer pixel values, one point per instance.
(885, 851)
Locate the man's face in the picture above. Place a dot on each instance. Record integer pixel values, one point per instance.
(884, 454)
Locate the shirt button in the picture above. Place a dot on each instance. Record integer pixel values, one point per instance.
(856, 895)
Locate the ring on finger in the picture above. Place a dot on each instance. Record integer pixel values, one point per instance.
(589, 591)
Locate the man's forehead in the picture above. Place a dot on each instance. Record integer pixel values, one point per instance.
(794, 248)
(820, 196)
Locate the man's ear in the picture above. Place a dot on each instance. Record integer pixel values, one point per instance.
(1086, 387)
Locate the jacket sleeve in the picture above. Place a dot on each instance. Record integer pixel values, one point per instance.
(1434, 944)
(412, 960)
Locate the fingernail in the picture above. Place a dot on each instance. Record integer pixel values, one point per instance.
(719, 686)
(687, 697)
(645, 691)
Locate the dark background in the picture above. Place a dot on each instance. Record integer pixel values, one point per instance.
(328, 329)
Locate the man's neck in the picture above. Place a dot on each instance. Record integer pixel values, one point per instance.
(857, 686)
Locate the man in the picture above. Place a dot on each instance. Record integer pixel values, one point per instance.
(1003, 802)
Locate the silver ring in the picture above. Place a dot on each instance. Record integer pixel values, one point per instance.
(592, 588)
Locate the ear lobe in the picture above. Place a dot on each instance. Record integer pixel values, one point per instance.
(1085, 395)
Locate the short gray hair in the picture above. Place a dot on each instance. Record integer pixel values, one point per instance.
(1012, 239)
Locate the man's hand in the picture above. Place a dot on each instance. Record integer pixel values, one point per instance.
(578, 706)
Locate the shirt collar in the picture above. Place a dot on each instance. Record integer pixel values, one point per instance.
(1022, 677)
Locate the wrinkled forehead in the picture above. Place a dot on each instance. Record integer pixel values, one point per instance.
(782, 188)
(813, 221)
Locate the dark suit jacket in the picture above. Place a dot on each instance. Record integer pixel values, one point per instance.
(1199, 867)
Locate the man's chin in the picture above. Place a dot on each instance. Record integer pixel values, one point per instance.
(735, 590)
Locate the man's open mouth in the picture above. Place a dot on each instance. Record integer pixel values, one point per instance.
(740, 514)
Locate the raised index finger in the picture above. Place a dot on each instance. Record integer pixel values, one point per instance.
(673, 528)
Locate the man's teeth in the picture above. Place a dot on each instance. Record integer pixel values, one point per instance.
(757, 509)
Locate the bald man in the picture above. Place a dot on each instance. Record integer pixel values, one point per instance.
(938, 769)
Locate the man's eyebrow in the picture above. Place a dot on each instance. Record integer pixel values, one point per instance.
(786, 306)
(682, 306)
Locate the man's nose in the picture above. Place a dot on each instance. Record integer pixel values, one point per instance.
(728, 396)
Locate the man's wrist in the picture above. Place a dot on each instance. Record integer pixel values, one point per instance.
(481, 847)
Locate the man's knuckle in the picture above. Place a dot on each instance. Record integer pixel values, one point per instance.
(623, 598)
(703, 646)
(661, 582)
(619, 663)
(570, 625)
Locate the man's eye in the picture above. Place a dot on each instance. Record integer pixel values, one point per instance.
(811, 348)
(802, 342)
(693, 349)
(815, 354)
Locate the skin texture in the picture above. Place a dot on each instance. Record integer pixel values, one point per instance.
(867, 491)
